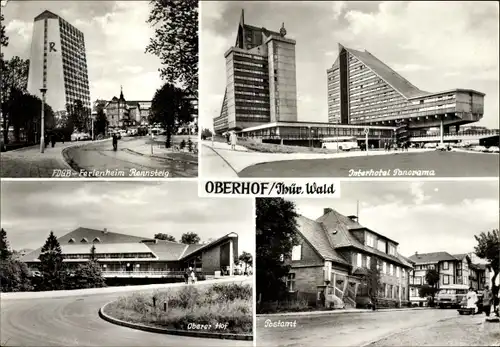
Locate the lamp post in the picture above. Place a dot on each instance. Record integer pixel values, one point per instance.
(42, 124)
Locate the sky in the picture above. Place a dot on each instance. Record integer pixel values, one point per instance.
(435, 45)
(422, 217)
(30, 210)
(116, 35)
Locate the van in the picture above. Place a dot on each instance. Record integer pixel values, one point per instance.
(451, 295)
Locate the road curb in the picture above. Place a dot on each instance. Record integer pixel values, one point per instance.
(110, 319)
(339, 311)
(155, 156)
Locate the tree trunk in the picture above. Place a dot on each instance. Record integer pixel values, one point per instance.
(168, 141)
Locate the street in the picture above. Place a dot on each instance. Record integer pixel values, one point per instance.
(73, 320)
(428, 327)
(99, 155)
(444, 164)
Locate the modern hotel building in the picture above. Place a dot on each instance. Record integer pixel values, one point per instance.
(366, 98)
(58, 62)
(260, 73)
(362, 90)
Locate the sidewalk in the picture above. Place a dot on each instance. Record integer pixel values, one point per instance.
(242, 158)
(340, 311)
(213, 165)
(28, 162)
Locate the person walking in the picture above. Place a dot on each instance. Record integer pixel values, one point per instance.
(193, 276)
(53, 140)
(234, 139)
(186, 277)
(115, 142)
(487, 301)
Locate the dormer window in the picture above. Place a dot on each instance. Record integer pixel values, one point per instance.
(96, 240)
(71, 240)
(84, 240)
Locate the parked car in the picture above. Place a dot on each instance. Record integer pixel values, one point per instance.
(430, 145)
(77, 136)
(479, 149)
(493, 149)
(443, 147)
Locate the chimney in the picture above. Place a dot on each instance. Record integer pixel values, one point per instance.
(327, 210)
(105, 231)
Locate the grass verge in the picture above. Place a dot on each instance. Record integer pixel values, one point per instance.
(274, 148)
(219, 308)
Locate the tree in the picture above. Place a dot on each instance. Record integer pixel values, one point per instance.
(4, 246)
(171, 108)
(206, 133)
(14, 80)
(246, 258)
(432, 279)
(51, 264)
(427, 290)
(78, 117)
(176, 41)
(101, 122)
(373, 282)
(276, 228)
(88, 275)
(166, 237)
(14, 276)
(4, 40)
(488, 247)
(190, 238)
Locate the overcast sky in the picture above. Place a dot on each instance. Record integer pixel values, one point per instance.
(30, 210)
(423, 217)
(116, 35)
(435, 45)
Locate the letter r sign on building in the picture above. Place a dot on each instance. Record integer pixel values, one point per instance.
(52, 46)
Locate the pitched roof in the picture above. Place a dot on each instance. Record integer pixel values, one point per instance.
(431, 258)
(460, 256)
(391, 77)
(339, 231)
(83, 248)
(314, 233)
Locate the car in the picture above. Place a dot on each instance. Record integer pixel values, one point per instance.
(77, 136)
(443, 147)
(430, 145)
(493, 149)
(479, 149)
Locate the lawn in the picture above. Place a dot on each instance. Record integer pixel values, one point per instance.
(257, 146)
(219, 308)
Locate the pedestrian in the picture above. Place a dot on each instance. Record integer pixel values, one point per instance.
(227, 138)
(53, 140)
(487, 301)
(186, 277)
(322, 298)
(472, 300)
(193, 276)
(115, 142)
(233, 140)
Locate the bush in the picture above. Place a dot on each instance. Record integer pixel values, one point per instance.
(190, 145)
(14, 276)
(182, 145)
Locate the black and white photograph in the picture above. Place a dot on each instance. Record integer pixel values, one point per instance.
(124, 264)
(349, 89)
(387, 264)
(99, 89)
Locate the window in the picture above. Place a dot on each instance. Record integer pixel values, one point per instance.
(381, 246)
(459, 265)
(446, 279)
(370, 240)
(385, 290)
(297, 252)
(72, 240)
(282, 257)
(384, 267)
(392, 250)
(403, 273)
(84, 240)
(446, 265)
(359, 260)
(368, 259)
(290, 282)
(397, 271)
(97, 240)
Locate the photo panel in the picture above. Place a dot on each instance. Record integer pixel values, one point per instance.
(138, 263)
(104, 89)
(323, 89)
(386, 264)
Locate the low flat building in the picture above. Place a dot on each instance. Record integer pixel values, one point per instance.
(333, 257)
(126, 256)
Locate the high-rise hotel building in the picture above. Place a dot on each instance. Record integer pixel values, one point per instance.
(362, 90)
(58, 62)
(260, 79)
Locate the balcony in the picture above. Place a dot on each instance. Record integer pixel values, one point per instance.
(148, 274)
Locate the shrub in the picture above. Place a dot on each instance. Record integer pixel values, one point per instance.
(182, 145)
(190, 145)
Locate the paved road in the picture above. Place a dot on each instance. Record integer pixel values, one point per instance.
(444, 164)
(377, 328)
(74, 321)
(100, 156)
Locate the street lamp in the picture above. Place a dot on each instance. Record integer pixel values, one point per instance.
(42, 124)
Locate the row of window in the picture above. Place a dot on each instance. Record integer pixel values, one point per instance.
(249, 63)
(251, 56)
(253, 101)
(252, 108)
(251, 93)
(361, 260)
(249, 85)
(445, 279)
(257, 72)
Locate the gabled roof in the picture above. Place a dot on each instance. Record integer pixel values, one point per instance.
(339, 232)
(461, 256)
(391, 77)
(431, 258)
(46, 15)
(192, 249)
(314, 233)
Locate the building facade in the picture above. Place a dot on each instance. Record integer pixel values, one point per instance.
(364, 90)
(260, 79)
(451, 268)
(58, 63)
(333, 256)
(126, 256)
